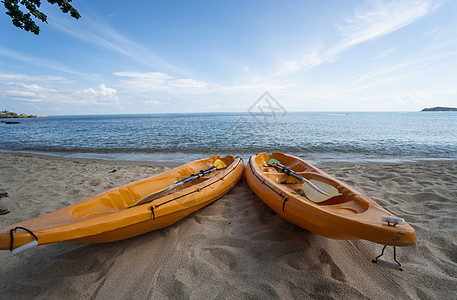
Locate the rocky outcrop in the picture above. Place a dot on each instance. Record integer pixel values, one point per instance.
(440, 108)
(5, 114)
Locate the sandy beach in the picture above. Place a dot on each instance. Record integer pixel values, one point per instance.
(235, 248)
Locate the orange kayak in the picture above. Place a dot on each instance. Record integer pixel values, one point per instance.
(350, 215)
(110, 216)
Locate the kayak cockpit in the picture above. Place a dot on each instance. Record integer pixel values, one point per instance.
(345, 203)
(114, 201)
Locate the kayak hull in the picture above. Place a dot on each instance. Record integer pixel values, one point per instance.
(107, 216)
(349, 216)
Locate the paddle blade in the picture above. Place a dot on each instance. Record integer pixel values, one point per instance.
(219, 164)
(273, 161)
(318, 191)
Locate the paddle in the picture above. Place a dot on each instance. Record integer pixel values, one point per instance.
(217, 165)
(315, 191)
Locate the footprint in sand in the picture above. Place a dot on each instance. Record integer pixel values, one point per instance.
(335, 271)
(221, 256)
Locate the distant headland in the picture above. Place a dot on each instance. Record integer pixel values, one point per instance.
(440, 108)
(5, 114)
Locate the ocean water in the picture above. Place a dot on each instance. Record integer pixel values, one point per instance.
(345, 136)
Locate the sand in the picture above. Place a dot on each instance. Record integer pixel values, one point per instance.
(235, 248)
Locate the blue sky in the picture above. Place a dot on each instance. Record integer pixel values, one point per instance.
(216, 56)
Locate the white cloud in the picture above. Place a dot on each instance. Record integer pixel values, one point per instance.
(156, 81)
(251, 88)
(40, 62)
(39, 94)
(153, 102)
(374, 20)
(188, 83)
(387, 52)
(100, 34)
(408, 100)
(379, 18)
(24, 77)
(102, 94)
(308, 60)
(412, 66)
(25, 92)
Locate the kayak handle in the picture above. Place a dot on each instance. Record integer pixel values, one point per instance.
(392, 221)
(23, 247)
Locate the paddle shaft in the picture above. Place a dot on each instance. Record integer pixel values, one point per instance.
(288, 171)
(195, 176)
(176, 184)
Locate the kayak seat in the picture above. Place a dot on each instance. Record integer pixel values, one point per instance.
(110, 203)
(348, 207)
(92, 209)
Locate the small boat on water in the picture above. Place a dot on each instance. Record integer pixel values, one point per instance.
(309, 198)
(131, 209)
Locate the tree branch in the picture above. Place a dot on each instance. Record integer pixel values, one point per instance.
(24, 20)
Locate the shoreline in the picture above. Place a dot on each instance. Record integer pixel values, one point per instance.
(187, 157)
(236, 247)
(89, 159)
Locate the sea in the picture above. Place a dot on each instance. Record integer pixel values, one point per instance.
(179, 138)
